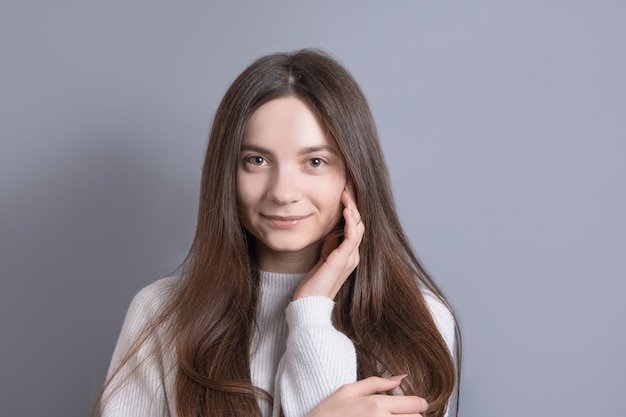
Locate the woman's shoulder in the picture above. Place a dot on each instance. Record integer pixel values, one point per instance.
(443, 317)
(161, 289)
(151, 300)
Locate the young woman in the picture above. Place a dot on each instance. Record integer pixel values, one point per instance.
(300, 295)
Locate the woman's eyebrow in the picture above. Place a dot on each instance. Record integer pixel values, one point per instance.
(313, 149)
(254, 148)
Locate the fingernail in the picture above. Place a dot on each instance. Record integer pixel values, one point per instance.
(397, 377)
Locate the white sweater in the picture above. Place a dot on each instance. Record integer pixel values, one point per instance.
(297, 355)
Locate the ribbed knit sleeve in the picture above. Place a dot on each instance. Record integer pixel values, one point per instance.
(318, 358)
(140, 388)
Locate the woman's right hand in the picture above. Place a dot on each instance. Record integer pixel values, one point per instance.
(363, 399)
(337, 260)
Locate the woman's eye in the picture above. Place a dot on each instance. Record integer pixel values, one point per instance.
(316, 162)
(255, 160)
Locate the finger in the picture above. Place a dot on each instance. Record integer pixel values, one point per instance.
(354, 226)
(353, 233)
(370, 386)
(410, 415)
(347, 198)
(352, 237)
(349, 188)
(346, 255)
(399, 404)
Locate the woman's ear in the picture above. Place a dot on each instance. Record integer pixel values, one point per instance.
(349, 186)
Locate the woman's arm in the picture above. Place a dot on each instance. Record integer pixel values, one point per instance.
(318, 358)
(318, 372)
(317, 375)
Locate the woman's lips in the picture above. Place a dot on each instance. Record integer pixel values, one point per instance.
(285, 222)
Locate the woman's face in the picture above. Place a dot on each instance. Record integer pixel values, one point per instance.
(289, 183)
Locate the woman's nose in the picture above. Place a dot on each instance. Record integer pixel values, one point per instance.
(283, 187)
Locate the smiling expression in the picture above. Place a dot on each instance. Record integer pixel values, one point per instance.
(289, 183)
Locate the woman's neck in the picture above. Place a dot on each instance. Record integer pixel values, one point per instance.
(292, 262)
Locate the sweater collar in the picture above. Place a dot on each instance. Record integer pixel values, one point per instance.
(279, 285)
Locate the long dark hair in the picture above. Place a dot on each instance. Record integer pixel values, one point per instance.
(380, 307)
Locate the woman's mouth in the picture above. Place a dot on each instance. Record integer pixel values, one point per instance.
(285, 222)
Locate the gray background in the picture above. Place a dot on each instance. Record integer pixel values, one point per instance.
(504, 128)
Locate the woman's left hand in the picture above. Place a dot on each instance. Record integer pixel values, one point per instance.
(337, 261)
